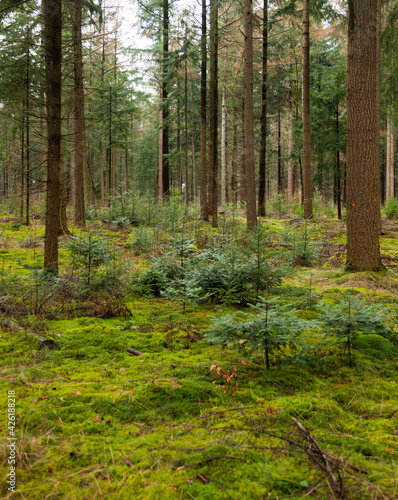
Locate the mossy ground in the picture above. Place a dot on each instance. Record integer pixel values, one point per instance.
(95, 422)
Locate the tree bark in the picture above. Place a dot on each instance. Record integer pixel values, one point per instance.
(53, 58)
(291, 164)
(224, 133)
(251, 212)
(363, 119)
(263, 119)
(390, 159)
(213, 115)
(78, 98)
(307, 168)
(204, 212)
(165, 93)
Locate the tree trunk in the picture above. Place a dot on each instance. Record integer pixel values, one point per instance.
(224, 133)
(63, 220)
(251, 212)
(78, 98)
(263, 119)
(27, 219)
(160, 155)
(242, 176)
(291, 164)
(52, 14)
(193, 146)
(338, 168)
(203, 117)
(363, 120)
(187, 183)
(390, 159)
(213, 115)
(280, 166)
(165, 78)
(234, 166)
(307, 169)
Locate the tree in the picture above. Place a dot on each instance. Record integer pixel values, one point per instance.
(78, 98)
(212, 195)
(251, 212)
(363, 121)
(263, 119)
(307, 168)
(165, 103)
(52, 15)
(203, 118)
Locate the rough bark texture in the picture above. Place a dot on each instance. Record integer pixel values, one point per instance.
(363, 118)
(251, 212)
(203, 102)
(213, 116)
(307, 168)
(78, 98)
(263, 119)
(53, 56)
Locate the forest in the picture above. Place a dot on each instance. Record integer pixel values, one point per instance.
(198, 249)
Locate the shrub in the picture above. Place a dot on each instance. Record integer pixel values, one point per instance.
(142, 242)
(350, 319)
(272, 329)
(391, 209)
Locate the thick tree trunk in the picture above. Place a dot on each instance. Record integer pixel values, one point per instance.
(204, 212)
(263, 119)
(53, 58)
(307, 168)
(251, 212)
(363, 120)
(213, 116)
(78, 98)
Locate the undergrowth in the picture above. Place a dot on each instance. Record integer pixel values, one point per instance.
(130, 395)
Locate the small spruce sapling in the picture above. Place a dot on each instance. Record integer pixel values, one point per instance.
(272, 329)
(350, 318)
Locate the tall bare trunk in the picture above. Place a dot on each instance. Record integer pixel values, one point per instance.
(213, 115)
(204, 209)
(102, 179)
(291, 163)
(165, 93)
(263, 119)
(224, 133)
(78, 98)
(187, 182)
(307, 168)
(390, 159)
(53, 57)
(363, 134)
(194, 187)
(251, 212)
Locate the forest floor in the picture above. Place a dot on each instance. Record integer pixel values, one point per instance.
(187, 419)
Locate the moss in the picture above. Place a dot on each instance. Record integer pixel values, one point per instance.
(93, 421)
